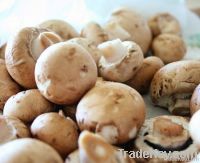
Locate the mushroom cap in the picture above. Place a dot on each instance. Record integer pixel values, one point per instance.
(27, 105)
(73, 157)
(120, 60)
(173, 85)
(89, 46)
(7, 86)
(23, 50)
(164, 23)
(2, 51)
(12, 128)
(65, 72)
(94, 32)
(56, 130)
(135, 25)
(62, 28)
(142, 79)
(113, 110)
(165, 133)
(169, 47)
(28, 150)
(195, 100)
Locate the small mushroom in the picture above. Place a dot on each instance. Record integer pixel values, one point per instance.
(169, 47)
(60, 27)
(120, 60)
(142, 79)
(23, 50)
(94, 32)
(7, 86)
(2, 51)
(112, 110)
(12, 128)
(173, 85)
(89, 46)
(195, 100)
(56, 130)
(135, 26)
(28, 150)
(65, 72)
(164, 134)
(27, 105)
(164, 23)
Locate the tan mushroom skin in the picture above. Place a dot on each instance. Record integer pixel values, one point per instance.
(2, 51)
(195, 101)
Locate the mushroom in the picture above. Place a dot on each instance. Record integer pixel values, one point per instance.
(12, 128)
(60, 27)
(7, 86)
(120, 60)
(27, 105)
(142, 79)
(168, 135)
(94, 149)
(112, 110)
(65, 72)
(173, 85)
(195, 100)
(89, 46)
(94, 32)
(164, 23)
(134, 25)
(23, 50)
(56, 130)
(28, 150)
(169, 47)
(2, 51)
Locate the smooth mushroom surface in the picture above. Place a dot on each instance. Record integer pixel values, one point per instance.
(112, 110)
(60, 27)
(195, 100)
(28, 150)
(142, 79)
(94, 32)
(164, 23)
(12, 128)
(8, 87)
(23, 50)
(169, 47)
(65, 72)
(56, 130)
(173, 85)
(27, 105)
(2, 51)
(120, 60)
(135, 26)
(165, 134)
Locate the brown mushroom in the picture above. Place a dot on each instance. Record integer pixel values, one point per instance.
(169, 47)
(60, 27)
(27, 105)
(113, 110)
(23, 50)
(65, 72)
(173, 85)
(142, 79)
(7, 86)
(195, 100)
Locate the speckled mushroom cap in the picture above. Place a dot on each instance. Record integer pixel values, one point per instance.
(195, 100)
(164, 134)
(62, 28)
(173, 85)
(135, 25)
(7, 86)
(23, 50)
(164, 23)
(113, 110)
(169, 47)
(120, 60)
(65, 72)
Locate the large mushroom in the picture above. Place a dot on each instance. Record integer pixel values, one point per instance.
(23, 50)
(65, 72)
(113, 110)
(173, 85)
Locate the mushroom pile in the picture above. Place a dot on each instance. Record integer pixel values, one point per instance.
(77, 97)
